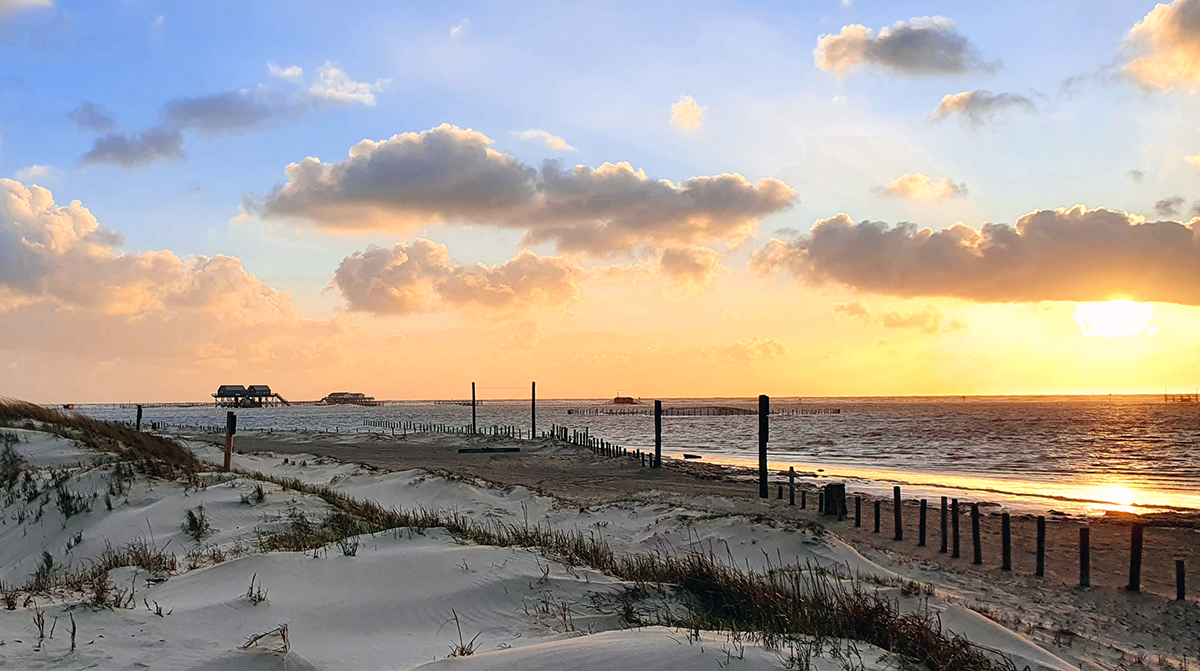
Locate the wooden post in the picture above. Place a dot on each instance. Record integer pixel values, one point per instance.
(877, 502)
(975, 539)
(791, 485)
(858, 511)
(821, 502)
(896, 515)
(764, 415)
(532, 409)
(1180, 590)
(1041, 546)
(803, 499)
(1005, 542)
(473, 426)
(780, 497)
(230, 429)
(945, 521)
(1135, 558)
(1085, 557)
(139, 417)
(954, 528)
(657, 435)
(921, 532)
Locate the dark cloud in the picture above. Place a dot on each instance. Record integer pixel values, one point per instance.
(93, 117)
(451, 174)
(131, 151)
(924, 46)
(978, 108)
(231, 112)
(696, 267)
(1136, 176)
(1071, 254)
(1168, 207)
(420, 277)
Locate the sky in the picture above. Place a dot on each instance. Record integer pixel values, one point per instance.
(817, 198)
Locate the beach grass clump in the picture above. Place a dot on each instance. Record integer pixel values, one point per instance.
(195, 524)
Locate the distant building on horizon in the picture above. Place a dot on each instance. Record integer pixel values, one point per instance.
(349, 398)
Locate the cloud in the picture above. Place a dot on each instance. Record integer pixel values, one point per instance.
(460, 28)
(93, 117)
(1136, 176)
(45, 173)
(550, 140)
(1169, 206)
(917, 186)
(158, 22)
(292, 72)
(1166, 44)
(1067, 254)
(920, 47)
(751, 349)
(927, 319)
(1194, 160)
(420, 277)
(978, 108)
(131, 151)
(450, 174)
(686, 114)
(693, 267)
(231, 112)
(8, 7)
(333, 84)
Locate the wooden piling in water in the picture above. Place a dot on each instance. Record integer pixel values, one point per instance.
(944, 523)
(954, 527)
(1180, 590)
(139, 417)
(877, 506)
(1085, 557)
(764, 418)
(1135, 558)
(532, 409)
(897, 512)
(657, 435)
(1005, 542)
(791, 485)
(976, 543)
(1041, 546)
(473, 404)
(921, 531)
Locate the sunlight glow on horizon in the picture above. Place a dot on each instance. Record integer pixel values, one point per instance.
(1115, 319)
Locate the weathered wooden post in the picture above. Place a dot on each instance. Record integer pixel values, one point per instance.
(954, 528)
(1180, 590)
(896, 516)
(532, 409)
(780, 497)
(657, 435)
(473, 426)
(230, 429)
(764, 417)
(858, 511)
(944, 523)
(803, 499)
(975, 539)
(821, 502)
(791, 485)
(139, 417)
(1135, 558)
(877, 506)
(1005, 542)
(1041, 546)
(1085, 557)
(921, 532)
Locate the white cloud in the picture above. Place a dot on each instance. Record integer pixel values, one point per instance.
(292, 72)
(14, 6)
(918, 186)
(333, 84)
(1167, 47)
(460, 28)
(686, 114)
(550, 140)
(158, 22)
(42, 173)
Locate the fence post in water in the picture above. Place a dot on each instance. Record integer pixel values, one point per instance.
(764, 416)
(230, 429)
(1005, 542)
(532, 409)
(921, 532)
(1135, 558)
(139, 417)
(944, 521)
(877, 502)
(1041, 546)
(1085, 557)
(897, 512)
(1180, 591)
(975, 540)
(954, 527)
(858, 511)
(791, 485)
(657, 435)
(472, 407)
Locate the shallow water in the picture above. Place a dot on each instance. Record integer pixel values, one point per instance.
(1066, 453)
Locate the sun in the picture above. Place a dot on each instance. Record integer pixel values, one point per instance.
(1114, 319)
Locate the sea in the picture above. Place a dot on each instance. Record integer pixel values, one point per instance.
(1068, 454)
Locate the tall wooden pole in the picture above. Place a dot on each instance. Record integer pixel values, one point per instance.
(472, 407)
(533, 409)
(657, 434)
(230, 429)
(897, 513)
(764, 414)
(1135, 559)
(139, 417)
